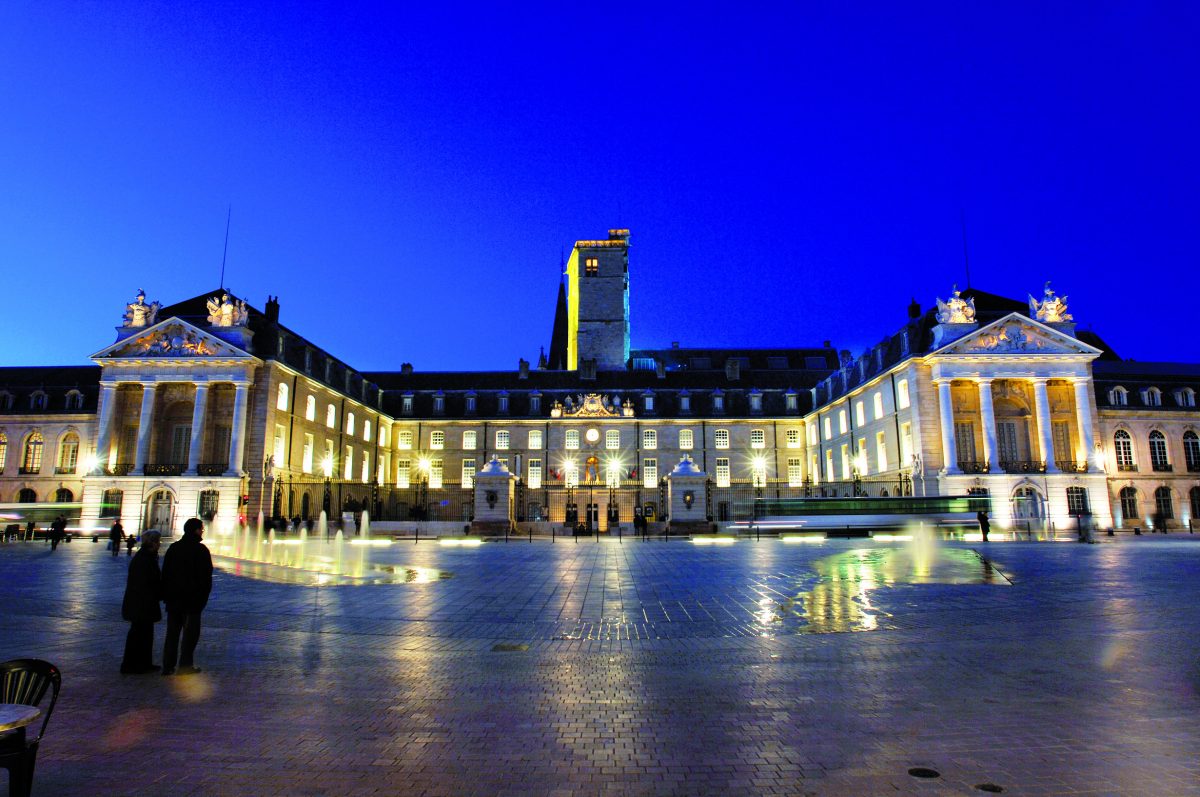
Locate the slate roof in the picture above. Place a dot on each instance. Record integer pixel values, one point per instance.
(56, 381)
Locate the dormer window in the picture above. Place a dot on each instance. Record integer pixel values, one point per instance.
(685, 401)
(1185, 397)
(718, 401)
(1118, 396)
(648, 401)
(439, 403)
(791, 401)
(1152, 397)
(470, 402)
(535, 403)
(74, 400)
(37, 400)
(502, 402)
(755, 401)
(6, 400)
(406, 404)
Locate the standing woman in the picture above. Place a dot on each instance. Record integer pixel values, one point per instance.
(143, 591)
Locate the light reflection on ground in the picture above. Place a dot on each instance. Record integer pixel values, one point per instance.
(322, 572)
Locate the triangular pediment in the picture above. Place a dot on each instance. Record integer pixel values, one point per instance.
(1017, 335)
(171, 339)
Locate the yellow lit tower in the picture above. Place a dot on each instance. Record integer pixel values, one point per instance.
(598, 303)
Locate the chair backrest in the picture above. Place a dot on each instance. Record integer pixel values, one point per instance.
(26, 681)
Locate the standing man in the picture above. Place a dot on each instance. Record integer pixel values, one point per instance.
(143, 591)
(985, 525)
(187, 581)
(58, 530)
(116, 535)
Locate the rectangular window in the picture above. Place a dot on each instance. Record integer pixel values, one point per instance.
(648, 402)
(328, 464)
(306, 462)
(721, 438)
(591, 267)
(406, 405)
(685, 403)
(469, 440)
(902, 400)
(792, 436)
(535, 474)
(535, 404)
(403, 471)
(649, 438)
(845, 451)
(815, 470)
(612, 439)
(572, 440)
(794, 476)
(860, 413)
(790, 402)
(829, 466)
(756, 402)
(181, 442)
(310, 408)
(906, 444)
(828, 424)
(649, 472)
(435, 474)
(1063, 450)
(367, 430)
(843, 421)
(365, 470)
(468, 473)
(502, 440)
(437, 440)
(718, 403)
(881, 451)
(350, 423)
(330, 416)
(722, 471)
(1077, 501)
(877, 401)
(439, 404)
(964, 440)
(571, 473)
(535, 439)
(470, 403)
(404, 439)
(280, 445)
(348, 464)
(502, 403)
(758, 438)
(385, 436)
(685, 439)
(860, 457)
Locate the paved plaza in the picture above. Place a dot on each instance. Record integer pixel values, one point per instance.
(638, 668)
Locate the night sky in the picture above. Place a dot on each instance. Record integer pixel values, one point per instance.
(406, 178)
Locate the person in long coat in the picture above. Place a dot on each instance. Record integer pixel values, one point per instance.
(116, 535)
(143, 591)
(187, 582)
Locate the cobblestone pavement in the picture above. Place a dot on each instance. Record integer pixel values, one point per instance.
(639, 668)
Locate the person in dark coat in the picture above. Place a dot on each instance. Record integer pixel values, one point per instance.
(115, 536)
(143, 591)
(985, 525)
(58, 530)
(187, 582)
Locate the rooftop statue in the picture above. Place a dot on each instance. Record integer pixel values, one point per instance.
(956, 310)
(227, 311)
(138, 313)
(1051, 310)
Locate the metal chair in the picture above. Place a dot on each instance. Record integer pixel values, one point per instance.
(25, 681)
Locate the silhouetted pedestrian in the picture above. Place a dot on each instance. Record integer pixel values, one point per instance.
(58, 530)
(130, 541)
(985, 525)
(116, 535)
(187, 582)
(143, 591)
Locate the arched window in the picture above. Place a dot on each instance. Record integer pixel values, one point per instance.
(1191, 451)
(68, 454)
(63, 496)
(38, 400)
(1194, 495)
(1185, 397)
(74, 400)
(1164, 507)
(1158, 452)
(110, 503)
(1129, 503)
(350, 423)
(330, 416)
(1123, 448)
(31, 460)
(281, 401)
(26, 496)
(366, 430)
(1118, 396)
(1152, 397)
(310, 408)
(6, 400)
(1026, 504)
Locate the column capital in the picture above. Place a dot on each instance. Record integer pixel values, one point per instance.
(1040, 380)
(943, 380)
(984, 380)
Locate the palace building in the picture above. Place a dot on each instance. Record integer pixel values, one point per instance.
(213, 407)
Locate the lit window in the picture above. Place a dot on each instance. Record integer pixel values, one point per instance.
(758, 438)
(906, 444)
(902, 394)
(470, 440)
(591, 266)
(367, 430)
(404, 439)
(828, 424)
(685, 439)
(435, 473)
(571, 473)
(310, 408)
(860, 413)
(403, 471)
(468, 473)
(572, 440)
(862, 456)
(1123, 449)
(758, 472)
(31, 462)
(406, 404)
(348, 464)
(68, 453)
(722, 471)
(280, 453)
(365, 471)
(350, 423)
(502, 440)
(718, 402)
(648, 402)
(437, 440)
(794, 476)
(791, 402)
(535, 474)
(845, 452)
(649, 472)
(881, 451)
(649, 438)
(612, 439)
(3, 450)
(877, 402)
(330, 416)
(535, 439)
(843, 421)
(385, 436)
(721, 438)
(829, 465)
(685, 402)
(281, 401)
(792, 438)
(307, 458)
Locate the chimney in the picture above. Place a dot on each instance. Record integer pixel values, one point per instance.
(660, 368)
(914, 309)
(674, 344)
(733, 369)
(272, 309)
(522, 368)
(406, 369)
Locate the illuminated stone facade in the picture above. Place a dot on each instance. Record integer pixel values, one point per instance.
(213, 407)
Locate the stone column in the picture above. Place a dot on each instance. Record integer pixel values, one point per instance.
(237, 435)
(988, 417)
(1083, 413)
(1045, 431)
(199, 410)
(949, 449)
(108, 409)
(145, 429)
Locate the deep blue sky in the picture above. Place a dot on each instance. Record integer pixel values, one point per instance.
(405, 178)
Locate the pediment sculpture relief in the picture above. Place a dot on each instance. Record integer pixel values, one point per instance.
(593, 405)
(1008, 337)
(170, 342)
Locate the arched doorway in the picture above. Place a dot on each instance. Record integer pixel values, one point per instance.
(1028, 507)
(160, 510)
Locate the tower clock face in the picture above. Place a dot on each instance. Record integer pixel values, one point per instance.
(592, 435)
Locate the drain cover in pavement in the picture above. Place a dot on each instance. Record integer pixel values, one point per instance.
(508, 647)
(924, 772)
(990, 787)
